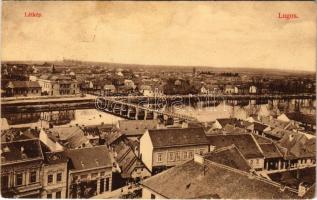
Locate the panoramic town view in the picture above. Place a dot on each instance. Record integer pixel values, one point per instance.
(108, 100)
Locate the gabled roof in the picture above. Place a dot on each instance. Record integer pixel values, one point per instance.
(229, 156)
(20, 151)
(23, 84)
(233, 129)
(136, 127)
(55, 157)
(270, 151)
(72, 137)
(232, 121)
(278, 132)
(261, 139)
(193, 180)
(173, 137)
(89, 158)
(258, 126)
(244, 142)
(300, 117)
(298, 145)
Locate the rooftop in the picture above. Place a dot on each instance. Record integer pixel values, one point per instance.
(88, 158)
(20, 151)
(178, 137)
(136, 127)
(244, 142)
(23, 84)
(229, 156)
(213, 180)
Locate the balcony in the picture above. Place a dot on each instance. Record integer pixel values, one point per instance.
(29, 187)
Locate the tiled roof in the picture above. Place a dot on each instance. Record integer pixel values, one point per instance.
(261, 139)
(229, 156)
(293, 178)
(224, 121)
(136, 127)
(298, 145)
(258, 126)
(72, 137)
(88, 158)
(244, 142)
(177, 137)
(278, 132)
(193, 180)
(233, 130)
(55, 157)
(20, 151)
(300, 117)
(270, 151)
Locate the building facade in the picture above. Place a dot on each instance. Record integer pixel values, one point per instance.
(21, 163)
(55, 85)
(164, 148)
(90, 172)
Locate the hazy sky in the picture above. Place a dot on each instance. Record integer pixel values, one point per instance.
(229, 34)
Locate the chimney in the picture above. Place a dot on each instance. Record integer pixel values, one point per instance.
(302, 189)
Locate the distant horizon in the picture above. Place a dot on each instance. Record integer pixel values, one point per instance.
(159, 65)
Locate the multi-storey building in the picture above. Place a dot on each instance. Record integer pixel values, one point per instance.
(21, 163)
(90, 172)
(55, 85)
(54, 175)
(23, 88)
(164, 148)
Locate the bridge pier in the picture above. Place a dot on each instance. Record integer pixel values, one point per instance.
(155, 115)
(131, 113)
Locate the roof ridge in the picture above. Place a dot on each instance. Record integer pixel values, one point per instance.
(273, 183)
(23, 140)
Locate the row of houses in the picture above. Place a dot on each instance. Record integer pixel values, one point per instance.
(52, 85)
(29, 169)
(81, 162)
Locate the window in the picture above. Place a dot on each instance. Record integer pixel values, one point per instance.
(152, 196)
(251, 162)
(93, 175)
(33, 177)
(19, 179)
(257, 161)
(159, 157)
(171, 156)
(178, 156)
(107, 184)
(184, 155)
(50, 178)
(49, 196)
(4, 181)
(102, 173)
(59, 177)
(190, 154)
(201, 152)
(58, 195)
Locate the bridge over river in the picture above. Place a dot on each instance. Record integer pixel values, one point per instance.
(136, 107)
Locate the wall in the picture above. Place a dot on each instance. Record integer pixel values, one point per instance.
(146, 194)
(146, 149)
(256, 163)
(182, 152)
(52, 188)
(107, 173)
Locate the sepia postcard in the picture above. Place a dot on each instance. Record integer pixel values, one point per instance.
(158, 99)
